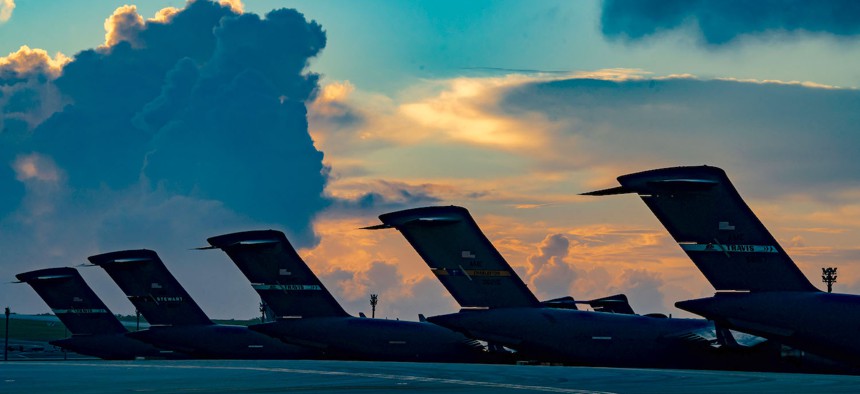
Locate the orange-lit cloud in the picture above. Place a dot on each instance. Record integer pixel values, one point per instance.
(30, 96)
(354, 263)
(26, 62)
(36, 166)
(123, 25)
(235, 5)
(164, 15)
(6, 8)
(517, 150)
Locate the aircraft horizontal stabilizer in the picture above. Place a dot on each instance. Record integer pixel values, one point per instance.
(376, 227)
(609, 192)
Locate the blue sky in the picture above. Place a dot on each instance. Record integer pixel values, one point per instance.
(167, 132)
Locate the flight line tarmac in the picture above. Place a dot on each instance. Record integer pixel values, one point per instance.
(249, 376)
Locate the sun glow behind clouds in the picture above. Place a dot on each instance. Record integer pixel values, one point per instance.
(580, 131)
(36, 166)
(459, 113)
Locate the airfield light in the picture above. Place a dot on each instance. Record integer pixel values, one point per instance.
(374, 299)
(828, 275)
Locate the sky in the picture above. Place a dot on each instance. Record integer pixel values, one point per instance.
(160, 124)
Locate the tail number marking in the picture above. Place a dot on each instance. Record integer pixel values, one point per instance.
(728, 248)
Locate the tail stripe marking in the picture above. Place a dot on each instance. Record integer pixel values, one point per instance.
(78, 311)
(286, 287)
(464, 272)
(710, 247)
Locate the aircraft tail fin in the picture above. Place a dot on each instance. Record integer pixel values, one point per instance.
(613, 304)
(278, 273)
(73, 301)
(151, 287)
(461, 256)
(704, 213)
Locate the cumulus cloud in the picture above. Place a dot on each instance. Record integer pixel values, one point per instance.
(28, 95)
(642, 287)
(548, 269)
(6, 8)
(178, 127)
(568, 264)
(123, 25)
(718, 22)
(235, 5)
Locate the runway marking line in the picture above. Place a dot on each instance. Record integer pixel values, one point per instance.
(410, 378)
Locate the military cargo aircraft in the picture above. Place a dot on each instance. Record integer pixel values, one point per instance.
(499, 308)
(760, 290)
(307, 314)
(176, 321)
(95, 330)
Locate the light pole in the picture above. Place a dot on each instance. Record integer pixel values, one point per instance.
(828, 275)
(373, 300)
(6, 344)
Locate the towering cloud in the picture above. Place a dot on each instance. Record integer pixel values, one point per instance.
(177, 127)
(720, 22)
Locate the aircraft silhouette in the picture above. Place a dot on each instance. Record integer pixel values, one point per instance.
(176, 321)
(95, 330)
(499, 308)
(307, 314)
(760, 290)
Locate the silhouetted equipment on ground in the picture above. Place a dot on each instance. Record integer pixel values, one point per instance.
(828, 276)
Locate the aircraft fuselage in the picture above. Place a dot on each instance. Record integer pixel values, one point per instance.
(599, 339)
(221, 342)
(375, 339)
(114, 347)
(817, 322)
